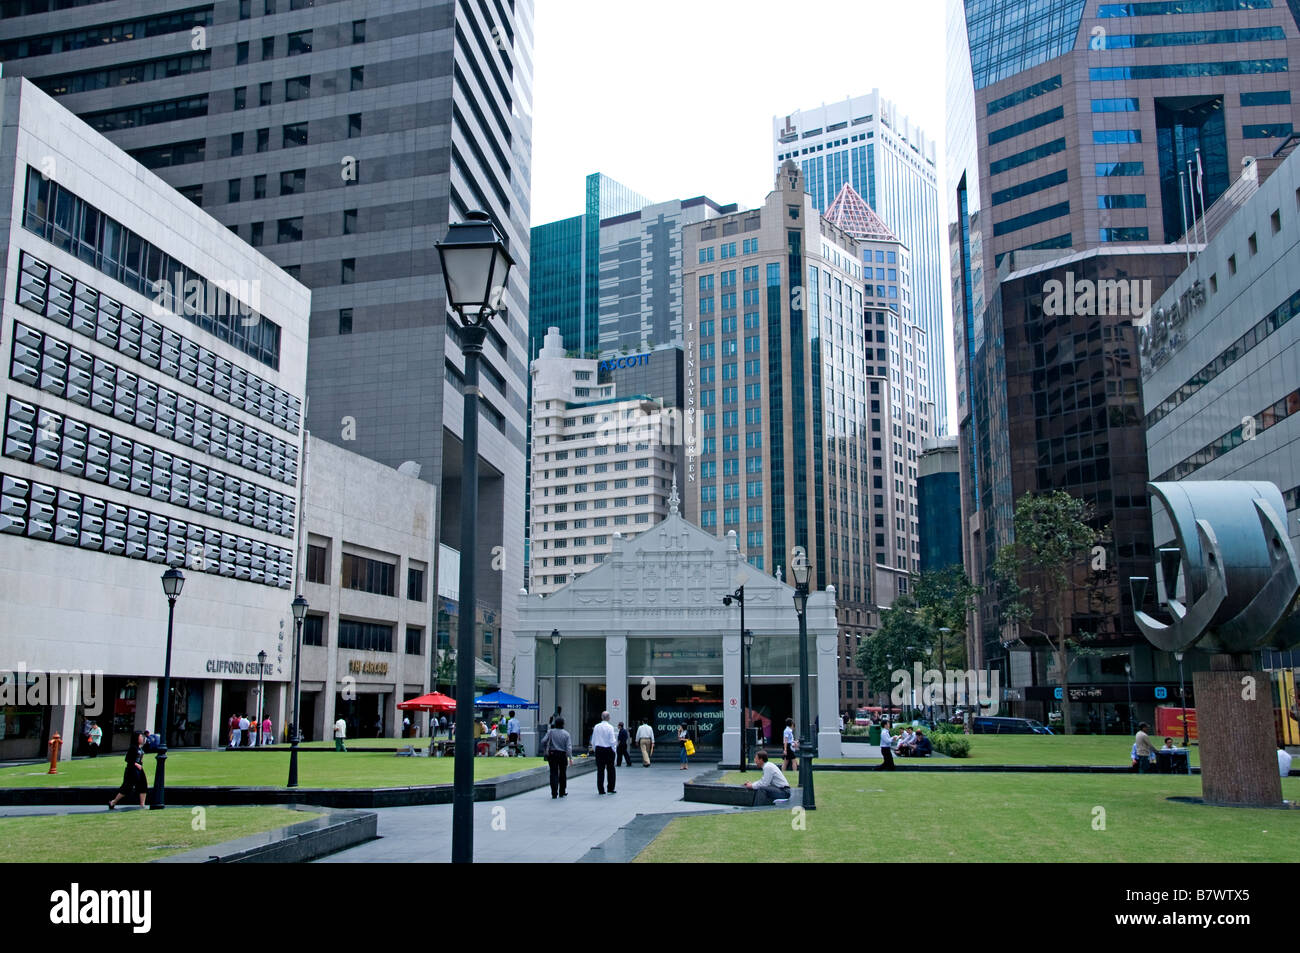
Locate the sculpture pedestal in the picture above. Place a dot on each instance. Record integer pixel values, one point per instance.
(1234, 712)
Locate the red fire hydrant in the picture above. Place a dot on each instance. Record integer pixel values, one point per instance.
(56, 743)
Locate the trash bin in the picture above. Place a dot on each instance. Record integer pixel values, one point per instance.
(873, 735)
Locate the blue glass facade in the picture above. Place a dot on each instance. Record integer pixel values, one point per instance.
(1008, 38)
(938, 503)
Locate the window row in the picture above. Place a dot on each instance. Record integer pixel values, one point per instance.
(44, 362)
(65, 220)
(39, 511)
(72, 446)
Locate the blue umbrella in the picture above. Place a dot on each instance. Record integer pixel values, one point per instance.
(503, 700)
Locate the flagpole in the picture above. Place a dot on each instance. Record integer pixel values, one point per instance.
(1182, 203)
(1191, 198)
(1200, 188)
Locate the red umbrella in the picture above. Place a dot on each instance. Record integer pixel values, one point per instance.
(434, 701)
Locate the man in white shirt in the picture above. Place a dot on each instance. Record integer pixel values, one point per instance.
(886, 748)
(772, 786)
(1283, 760)
(604, 739)
(512, 729)
(340, 733)
(243, 730)
(645, 740)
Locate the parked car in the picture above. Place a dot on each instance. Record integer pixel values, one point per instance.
(990, 725)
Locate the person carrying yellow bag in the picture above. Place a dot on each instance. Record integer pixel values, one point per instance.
(688, 747)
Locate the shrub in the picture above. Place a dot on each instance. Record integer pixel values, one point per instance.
(954, 746)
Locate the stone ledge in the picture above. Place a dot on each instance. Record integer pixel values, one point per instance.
(297, 843)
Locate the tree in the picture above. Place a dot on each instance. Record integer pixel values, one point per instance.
(1054, 542)
(446, 671)
(945, 597)
(898, 643)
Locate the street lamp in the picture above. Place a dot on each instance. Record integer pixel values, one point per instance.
(299, 606)
(1128, 674)
(929, 654)
(748, 639)
(555, 644)
(943, 669)
(261, 666)
(807, 743)
(173, 580)
(475, 266)
(1182, 698)
(739, 597)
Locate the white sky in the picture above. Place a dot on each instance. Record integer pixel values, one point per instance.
(676, 99)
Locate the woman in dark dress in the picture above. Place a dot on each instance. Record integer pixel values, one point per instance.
(133, 779)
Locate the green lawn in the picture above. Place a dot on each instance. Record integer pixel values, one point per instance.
(134, 836)
(991, 817)
(354, 769)
(1046, 749)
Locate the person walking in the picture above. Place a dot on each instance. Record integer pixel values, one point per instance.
(266, 730)
(622, 757)
(340, 734)
(557, 746)
(682, 739)
(94, 738)
(1144, 751)
(603, 742)
(442, 724)
(772, 786)
(244, 733)
(886, 748)
(645, 739)
(788, 745)
(234, 731)
(134, 781)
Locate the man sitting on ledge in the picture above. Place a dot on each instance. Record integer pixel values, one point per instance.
(922, 744)
(772, 787)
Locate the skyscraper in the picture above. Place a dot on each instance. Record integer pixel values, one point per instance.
(339, 138)
(1085, 139)
(809, 384)
(867, 142)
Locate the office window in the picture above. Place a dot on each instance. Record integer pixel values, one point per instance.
(354, 125)
(358, 78)
(245, 9)
(347, 271)
(1280, 97)
(1131, 234)
(288, 230)
(295, 135)
(1104, 137)
(263, 94)
(313, 630)
(241, 53)
(232, 190)
(366, 636)
(293, 181)
(241, 97)
(318, 564)
(255, 234)
(345, 320)
(358, 31)
(349, 221)
(263, 140)
(236, 143)
(368, 575)
(259, 186)
(415, 584)
(297, 88)
(1128, 200)
(414, 641)
(299, 43)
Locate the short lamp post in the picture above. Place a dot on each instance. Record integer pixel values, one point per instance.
(739, 597)
(748, 640)
(1128, 675)
(261, 708)
(1182, 697)
(475, 266)
(807, 742)
(299, 613)
(173, 580)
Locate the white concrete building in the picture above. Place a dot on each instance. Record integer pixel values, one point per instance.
(1221, 352)
(153, 404)
(645, 635)
(602, 465)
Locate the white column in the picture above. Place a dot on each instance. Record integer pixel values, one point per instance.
(826, 702)
(63, 719)
(616, 678)
(526, 681)
(732, 698)
(212, 728)
(146, 703)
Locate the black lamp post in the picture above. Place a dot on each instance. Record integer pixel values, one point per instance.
(475, 265)
(173, 580)
(299, 613)
(555, 689)
(943, 669)
(1182, 697)
(748, 639)
(261, 667)
(929, 654)
(1128, 674)
(739, 597)
(807, 741)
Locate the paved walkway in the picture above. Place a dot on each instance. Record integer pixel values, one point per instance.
(531, 827)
